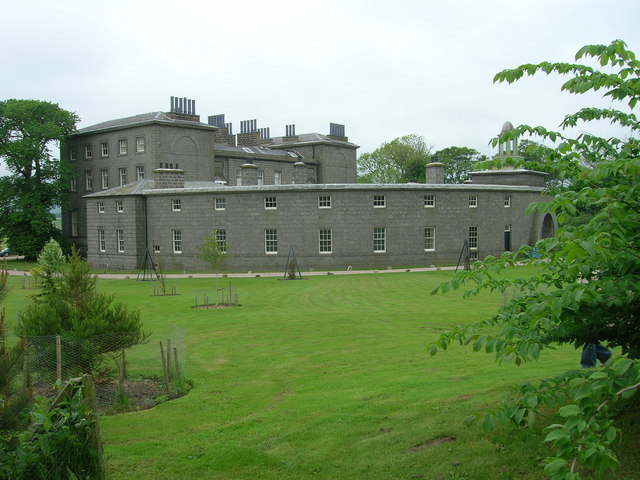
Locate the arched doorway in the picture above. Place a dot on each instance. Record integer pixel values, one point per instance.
(548, 227)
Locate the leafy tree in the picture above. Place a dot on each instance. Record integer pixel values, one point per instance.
(458, 162)
(213, 251)
(401, 160)
(28, 128)
(50, 264)
(588, 288)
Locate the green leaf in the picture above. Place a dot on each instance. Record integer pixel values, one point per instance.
(488, 423)
(470, 420)
(570, 411)
(433, 349)
(557, 435)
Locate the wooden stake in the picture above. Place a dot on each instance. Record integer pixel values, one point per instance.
(91, 411)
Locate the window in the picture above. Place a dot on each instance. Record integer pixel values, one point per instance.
(239, 177)
(87, 152)
(73, 154)
(473, 238)
(429, 239)
(277, 177)
(379, 239)
(74, 223)
(139, 144)
(221, 239)
(176, 205)
(139, 172)
(271, 241)
(74, 184)
(156, 248)
(122, 147)
(378, 201)
(429, 201)
(102, 241)
(219, 203)
(507, 201)
(122, 174)
(88, 180)
(177, 241)
(324, 202)
(325, 240)
(270, 203)
(473, 255)
(473, 201)
(507, 238)
(260, 177)
(104, 176)
(104, 149)
(100, 207)
(119, 206)
(120, 240)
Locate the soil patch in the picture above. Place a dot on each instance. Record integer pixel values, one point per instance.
(434, 443)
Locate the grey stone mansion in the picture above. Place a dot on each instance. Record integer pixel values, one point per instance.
(154, 185)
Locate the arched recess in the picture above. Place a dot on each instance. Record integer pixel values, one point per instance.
(548, 226)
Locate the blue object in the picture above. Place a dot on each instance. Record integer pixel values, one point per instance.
(592, 352)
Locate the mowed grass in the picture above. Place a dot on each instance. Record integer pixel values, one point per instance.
(326, 377)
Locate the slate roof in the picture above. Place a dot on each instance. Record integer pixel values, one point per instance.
(310, 139)
(142, 119)
(254, 152)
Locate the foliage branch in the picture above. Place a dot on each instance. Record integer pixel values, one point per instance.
(587, 285)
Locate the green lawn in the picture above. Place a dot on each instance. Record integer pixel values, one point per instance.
(323, 378)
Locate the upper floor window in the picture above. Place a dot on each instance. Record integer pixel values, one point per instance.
(122, 147)
(378, 201)
(87, 152)
(74, 223)
(429, 201)
(122, 174)
(507, 201)
(104, 149)
(277, 177)
(88, 180)
(100, 207)
(270, 203)
(219, 203)
(104, 176)
(139, 172)
(73, 154)
(473, 201)
(119, 206)
(74, 184)
(176, 205)
(324, 202)
(260, 177)
(139, 144)
(238, 177)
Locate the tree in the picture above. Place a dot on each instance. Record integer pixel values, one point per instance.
(213, 250)
(28, 128)
(458, 162)
(588, 288)
(51, 261)
(401, 160)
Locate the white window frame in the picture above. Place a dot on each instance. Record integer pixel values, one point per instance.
(473, 237)
(429, 239)
(104, 149)
(88, 180)
(122, 146)
(473, 201)
(379, 201)
(176, 205)
(238, 177)
(73, 154)
(219, 203)
(429, 201)
(119, 206)
(74, 184)
(260, 177)
(221, 239)
(104, 178)
(379, 239)
(102, 241)
(139, 172)
(100, 207)
(271, 241)
(277, 177)
(74, 223)
(324, 201)
(120, 240)
(122, 175)
(139, 144)
(507, 201)
(270, 203)
(88, 153)
(325, 241)
(176, 236)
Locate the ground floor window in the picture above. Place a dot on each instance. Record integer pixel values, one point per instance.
(271, 241)
(221, 239)
(177, 241)
(74, 223)
(102, 241)
(325, 240)
(379, 239)
(473, 238)
(429, 239)
(120, 240)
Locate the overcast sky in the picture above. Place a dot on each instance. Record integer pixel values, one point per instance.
(382, 68)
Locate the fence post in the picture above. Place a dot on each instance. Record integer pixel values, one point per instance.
(91, 412)
(58, 359)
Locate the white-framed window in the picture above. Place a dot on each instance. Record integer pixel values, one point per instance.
(270, 203)
(177, 241)
(104, 177)
(219, 203)
(100, 207)
(139, 144)
(429, 239)
(74, 184)
(88, 180)
(156, 248)
(74, 223)
(122, 174)
(139, 172)
(324, 201)
(379, 201)
(473, 255)
(238, 177)
(277, 177)
(120, 240)
(507, 201)
(122, 146)
(260, 177)
(176, 205)
(73, 154)
(102, 241)
(325, 240)
(429, 201)
(473, 201)
(271, 241)
(119, 206)
(88, 153)
(104, 149)
(221, 239)
(473, 238)
(379, 240)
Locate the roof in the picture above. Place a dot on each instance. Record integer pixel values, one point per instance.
(310, 139)
(142, 119)
(254, 151)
